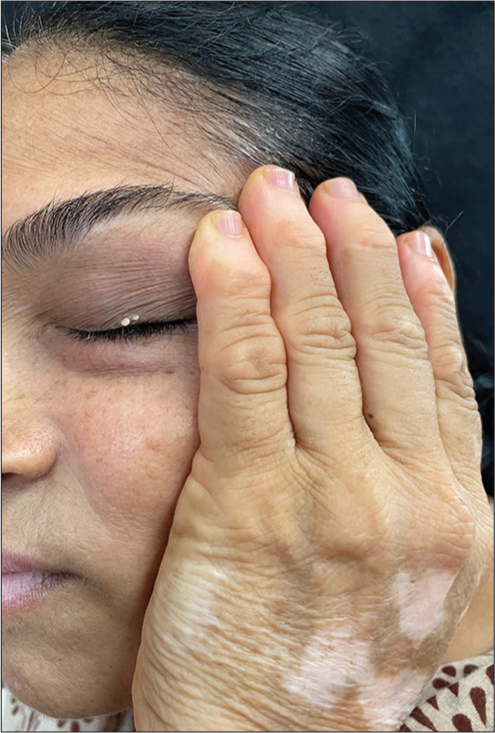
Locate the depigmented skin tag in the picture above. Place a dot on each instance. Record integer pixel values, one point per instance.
(126, 321)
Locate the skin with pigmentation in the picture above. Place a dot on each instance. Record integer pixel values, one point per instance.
(325, 501)
(317, 429)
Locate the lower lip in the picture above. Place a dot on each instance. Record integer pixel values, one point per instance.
(22, 592)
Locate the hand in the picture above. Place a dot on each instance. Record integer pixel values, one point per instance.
(334, 527)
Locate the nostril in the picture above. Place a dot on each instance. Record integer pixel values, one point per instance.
(11, 482)
(29, 453)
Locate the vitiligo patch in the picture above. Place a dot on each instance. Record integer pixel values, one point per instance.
(334, 665)
(421, 601)
(330, 666)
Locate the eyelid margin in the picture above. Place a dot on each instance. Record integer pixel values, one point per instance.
(131, 332)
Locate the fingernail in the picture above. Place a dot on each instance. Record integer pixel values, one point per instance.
(421, 243)
(342, 188)
(228, 222)
(280, 178)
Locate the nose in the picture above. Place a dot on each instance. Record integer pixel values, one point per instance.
(28, 450)
(29, 437)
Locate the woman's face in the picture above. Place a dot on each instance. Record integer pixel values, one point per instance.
(98, 434)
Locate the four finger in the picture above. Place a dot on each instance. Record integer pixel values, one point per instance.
(310, 319)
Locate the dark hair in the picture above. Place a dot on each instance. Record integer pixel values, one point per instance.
(291, 91)
(269, 86)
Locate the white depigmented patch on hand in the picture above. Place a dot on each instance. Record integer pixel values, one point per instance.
(421, 602)
(330, 667)
(338, 665)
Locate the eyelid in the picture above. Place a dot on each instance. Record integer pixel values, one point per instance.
(132, 332)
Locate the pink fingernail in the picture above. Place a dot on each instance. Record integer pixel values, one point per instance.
(421, 243)
(342, 188)
(228, 222)
(281, 178)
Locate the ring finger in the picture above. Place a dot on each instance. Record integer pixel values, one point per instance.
(392, 354)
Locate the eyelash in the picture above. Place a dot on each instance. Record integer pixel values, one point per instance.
(132, 332)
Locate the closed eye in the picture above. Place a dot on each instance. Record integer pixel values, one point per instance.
(131, 332)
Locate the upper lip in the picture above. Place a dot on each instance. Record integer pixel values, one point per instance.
(19, 564)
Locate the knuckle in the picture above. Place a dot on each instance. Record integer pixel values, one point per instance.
(367, 540)
(460, 386)
(396, 327)
(441, 299)
(451, 372)
(449, 356)
(374, 233)
(456, 540)
(231, 281)
(320, 327)
(447, 533)
(361, 535)
(293, 236)
(253, 361)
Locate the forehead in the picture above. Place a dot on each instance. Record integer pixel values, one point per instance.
(64, 133)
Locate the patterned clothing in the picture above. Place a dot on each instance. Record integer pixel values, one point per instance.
(459, 698)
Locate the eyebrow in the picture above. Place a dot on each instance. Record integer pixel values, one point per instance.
(59, 226)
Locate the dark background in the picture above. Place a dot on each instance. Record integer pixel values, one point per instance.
(438, 58)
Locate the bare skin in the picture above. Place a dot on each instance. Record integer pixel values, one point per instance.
(334, 496)
(280, 504)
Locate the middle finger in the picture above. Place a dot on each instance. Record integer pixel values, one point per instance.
(323, 387)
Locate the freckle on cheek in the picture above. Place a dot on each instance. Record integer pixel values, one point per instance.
(154, 445)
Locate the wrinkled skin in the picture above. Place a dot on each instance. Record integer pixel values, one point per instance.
(320, 476)
(334, 528)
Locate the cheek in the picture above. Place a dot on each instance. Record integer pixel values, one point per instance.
(131, 447)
